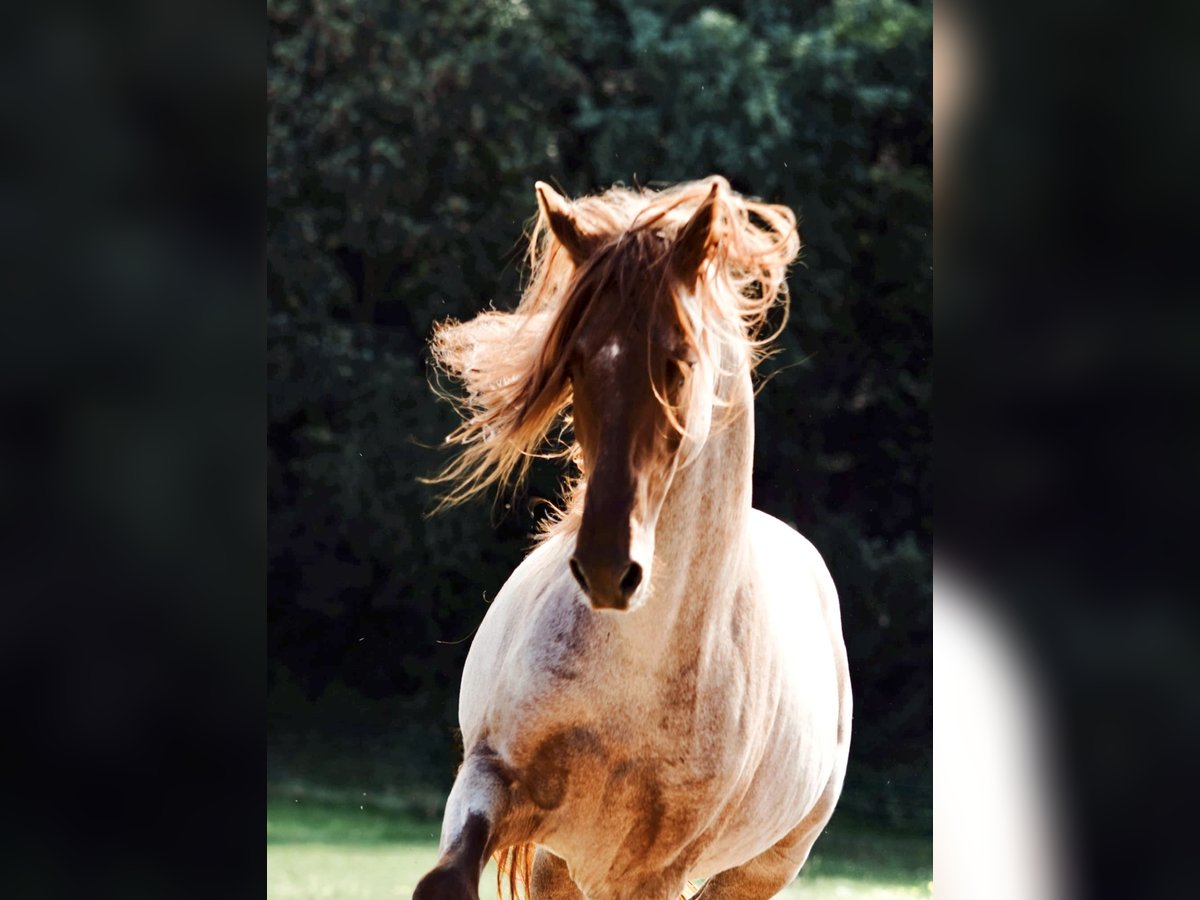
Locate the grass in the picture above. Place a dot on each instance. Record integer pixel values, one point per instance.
(337, 846)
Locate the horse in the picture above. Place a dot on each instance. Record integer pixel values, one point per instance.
(659, 692)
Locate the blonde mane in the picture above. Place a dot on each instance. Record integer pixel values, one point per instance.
(512, 366)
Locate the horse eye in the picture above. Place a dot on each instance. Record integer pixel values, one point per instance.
(677, 371)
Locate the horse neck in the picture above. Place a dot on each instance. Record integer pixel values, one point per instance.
(700, 540)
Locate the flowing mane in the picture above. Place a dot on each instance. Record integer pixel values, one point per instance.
(513, 366)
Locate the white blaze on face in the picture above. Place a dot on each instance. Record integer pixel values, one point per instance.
(607, 362)
(610, 353)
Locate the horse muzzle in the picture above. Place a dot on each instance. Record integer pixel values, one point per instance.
(607, 585)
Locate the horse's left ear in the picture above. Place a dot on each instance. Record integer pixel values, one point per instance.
(697, 239)
(563, 222)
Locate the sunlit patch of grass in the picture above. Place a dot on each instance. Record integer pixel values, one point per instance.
(346, 847)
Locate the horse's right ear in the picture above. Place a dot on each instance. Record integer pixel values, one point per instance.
(564, 224)
(698, 237)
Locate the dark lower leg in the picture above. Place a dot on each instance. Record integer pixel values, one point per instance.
(456, 876)
(474, 810)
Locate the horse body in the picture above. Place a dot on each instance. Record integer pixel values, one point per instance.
(736, 756)
(692, 725)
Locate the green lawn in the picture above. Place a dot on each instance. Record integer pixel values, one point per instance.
(330, 847)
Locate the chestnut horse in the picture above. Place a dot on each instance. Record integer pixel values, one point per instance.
(659, 692)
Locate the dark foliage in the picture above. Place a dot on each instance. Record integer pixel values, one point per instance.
(403, 143)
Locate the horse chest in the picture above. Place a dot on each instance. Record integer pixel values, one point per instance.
(683, 713)
(647, 763)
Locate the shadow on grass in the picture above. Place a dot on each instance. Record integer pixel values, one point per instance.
(851, 848)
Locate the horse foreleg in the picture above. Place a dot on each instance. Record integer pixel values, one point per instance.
(765, 875)
(475, 811)
(775, 868)
(551, 878)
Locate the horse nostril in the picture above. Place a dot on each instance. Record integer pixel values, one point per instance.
(631, 579)
(578, 573)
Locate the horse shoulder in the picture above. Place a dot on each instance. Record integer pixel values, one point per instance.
(527, 645)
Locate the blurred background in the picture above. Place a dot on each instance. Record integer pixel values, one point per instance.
(402, 147)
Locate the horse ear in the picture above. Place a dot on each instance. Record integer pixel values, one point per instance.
(696, 239)
(557, 210)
